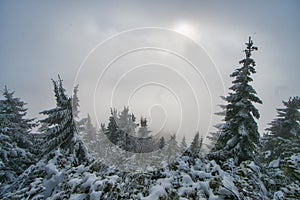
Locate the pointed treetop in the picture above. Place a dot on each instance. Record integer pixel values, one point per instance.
(143, 122)
(6, 93)
(5, 88)
(133, 118)
(293, 102)
(113, 111)
(249, 48)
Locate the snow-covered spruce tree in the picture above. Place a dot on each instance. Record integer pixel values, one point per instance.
(286, 125)
(145, 142)
(162, 142)
(89, 132)
(112, 129)
(280, 151)
(143, 131)
(116, 136)
(172, 150)
(240, 136)
(61, 132)
(62, 151)
(120, 124)
(214, 136)
(283, 135)
(127, 124)
(16, 146)
(90, 136)
(126, 121)
(115, 131)
(196, 145)
(183, 145)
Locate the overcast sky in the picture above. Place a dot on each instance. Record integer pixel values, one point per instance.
(40, 39)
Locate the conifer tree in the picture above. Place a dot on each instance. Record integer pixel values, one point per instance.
(61, 132)
(143, 131)
(240, 136)
(162, 142)
(172, 150)
(112, 129)
(124, 117)
(214, 136)
(126, 121)
(89, 130)
(183, 145)
(287, 123)
(145, 141)
(196, 144)
(281, 150)
(283, 137)
(15, 140)
(89, 135)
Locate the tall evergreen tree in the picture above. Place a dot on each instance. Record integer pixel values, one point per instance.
(145, 142)
(122, 119)
(15, 140)
(61, 129)
(143, 131)
(162, 142)
(196, 145)
(281, 150)
(127, 125)
(183, 145)
(121, 132)
(287, 123)
(214, 136)
(283, 137)
(88, 129)
(172, 150)
(240, 136)
(89, 135)
(112, 129)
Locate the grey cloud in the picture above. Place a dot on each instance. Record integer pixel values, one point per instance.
(38, 40)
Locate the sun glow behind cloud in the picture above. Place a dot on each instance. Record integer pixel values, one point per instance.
(187, 29)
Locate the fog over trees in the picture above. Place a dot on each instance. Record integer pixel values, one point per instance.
(71, 158)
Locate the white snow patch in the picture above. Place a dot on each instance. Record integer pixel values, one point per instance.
(243, 131)
(88, 180)
(182, 198)
(229, 185)
(254, 167)
(231, 142)
(187, 180)
(295, 159)
(73, 182)
(186, 191)
(113, 179)
(51, 168)
(165, 182)
(156, 192)
(78, 196)
(81, 169)
(205, 186)
(95, 195)
(52, 183)
(274, 163)
(267, 154)
(279, 195)
(201, 174)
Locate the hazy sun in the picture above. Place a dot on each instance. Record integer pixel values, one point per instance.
(186, 29)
